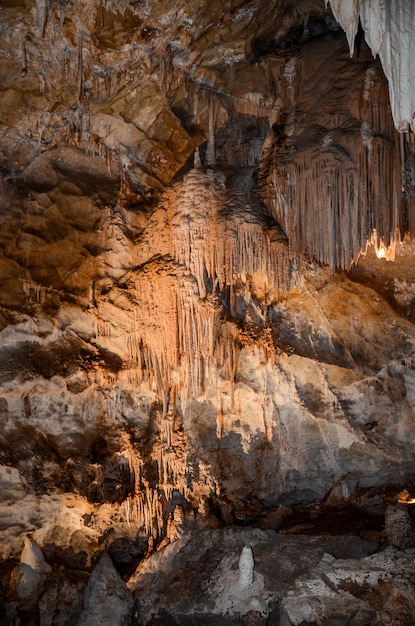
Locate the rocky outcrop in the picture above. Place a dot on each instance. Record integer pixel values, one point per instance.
(216, 592)
(29, 575)
(376, 588)
(106, 597)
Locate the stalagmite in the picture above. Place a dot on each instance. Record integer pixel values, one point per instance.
(32, 555)
(246, 567)
(399, 526)
(106, 598)
(197, 160)
(31, 572)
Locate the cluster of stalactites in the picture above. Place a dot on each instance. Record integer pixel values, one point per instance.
(389, 27)
(204, 245)
(222, 241)
(169, 452)
(335, 187)
(319, 204)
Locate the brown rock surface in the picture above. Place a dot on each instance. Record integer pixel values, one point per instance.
(181, 186)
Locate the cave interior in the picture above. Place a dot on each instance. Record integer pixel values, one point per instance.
(207, 312)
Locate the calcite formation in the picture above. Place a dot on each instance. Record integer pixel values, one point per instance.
(246, 567)
(388, 28)
(197, 327)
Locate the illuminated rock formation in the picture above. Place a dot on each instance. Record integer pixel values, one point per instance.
(335, 180)
(195, 328)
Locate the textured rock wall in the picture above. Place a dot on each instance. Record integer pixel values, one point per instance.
(332, 174)
(172, 354)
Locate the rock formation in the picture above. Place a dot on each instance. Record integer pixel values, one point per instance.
(388, 28)
(199, 323)
(106, 598)
(246, 567)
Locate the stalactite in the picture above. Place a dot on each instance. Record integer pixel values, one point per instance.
(388, 29)
(201, 94)
(173, 335)
(331, 192)
(150, 510)
(267, 66)
(104, 329)
(216, 248)
(80, 78)
(116, 6)
(42, 82)
(210, 149)
(167, 73)
(219, 422)
(24, 56)
(108, 83)
(42, 14)
(35, 293)
(66, 64)
(84, 115)
(291, 79)
(145, 503)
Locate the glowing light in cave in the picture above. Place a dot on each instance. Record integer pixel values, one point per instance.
(385, 252)
(405, 498)
(381, 249)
